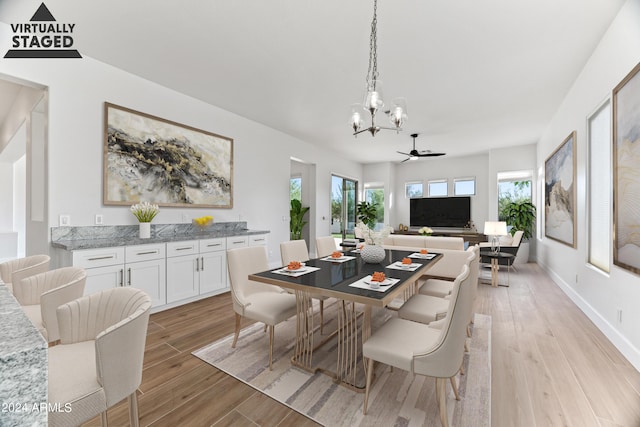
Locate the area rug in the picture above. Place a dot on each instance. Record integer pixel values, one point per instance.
(397, 397)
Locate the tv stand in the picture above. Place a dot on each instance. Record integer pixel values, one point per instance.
(469, 236)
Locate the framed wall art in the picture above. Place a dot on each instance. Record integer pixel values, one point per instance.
(626, 172)
(147, 158)
(560, 193)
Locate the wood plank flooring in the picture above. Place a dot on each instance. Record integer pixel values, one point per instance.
(550, 366)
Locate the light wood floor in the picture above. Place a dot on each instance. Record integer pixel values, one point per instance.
(550, 366)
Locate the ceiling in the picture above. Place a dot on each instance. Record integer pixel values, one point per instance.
(477, 75)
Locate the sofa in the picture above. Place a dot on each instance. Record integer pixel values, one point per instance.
(411, 242)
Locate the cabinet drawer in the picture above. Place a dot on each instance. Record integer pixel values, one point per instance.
(237, 242)
(258, 240)
(91, 258)
(213, 245)
(187, 247)
(144, 252)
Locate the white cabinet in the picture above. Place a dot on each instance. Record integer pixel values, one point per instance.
(213, 265)
(145, 269)
(105, 267)
(171, 273)
(141, 266)
(182, 270)
(237, 242)
(195, 267)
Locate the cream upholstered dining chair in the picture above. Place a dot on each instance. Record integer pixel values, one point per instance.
(17, 269)
(40, 295)
(445, 271)
(261, 302)
(325, 246)
(427, 308)
(99, 359)
(419, 349)
(296, 250)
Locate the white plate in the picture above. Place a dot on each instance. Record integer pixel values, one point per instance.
(386, 282)
(405, 266)
(330, 258)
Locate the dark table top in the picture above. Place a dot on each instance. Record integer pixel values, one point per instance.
(333, 278)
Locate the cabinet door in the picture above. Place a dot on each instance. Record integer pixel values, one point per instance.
(101, 278)
(182, 277)
(213, 271)
(150, 277)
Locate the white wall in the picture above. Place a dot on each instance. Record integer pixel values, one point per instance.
(444, 168)
(77, 92)
(599, 295)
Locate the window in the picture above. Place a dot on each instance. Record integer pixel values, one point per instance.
(512, 188)
(413, 190)
(376, 195)
(599, 185)
(464, 187)
(438, 188)
(343, 206)
(295, 188)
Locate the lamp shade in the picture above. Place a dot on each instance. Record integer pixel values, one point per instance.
(495, 228)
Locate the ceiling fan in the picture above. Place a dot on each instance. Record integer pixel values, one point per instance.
(415, 154)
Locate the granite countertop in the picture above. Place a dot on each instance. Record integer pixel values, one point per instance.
(157, 236)
(23, 366)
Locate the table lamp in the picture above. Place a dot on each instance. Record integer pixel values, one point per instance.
(494, 229)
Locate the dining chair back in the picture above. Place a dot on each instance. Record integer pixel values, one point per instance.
(294, 250)
(325, 246)
(99, 360)
(40, 296)
(17, 269)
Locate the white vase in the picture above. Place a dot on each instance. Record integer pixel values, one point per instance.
(372, 254)
(145, 230)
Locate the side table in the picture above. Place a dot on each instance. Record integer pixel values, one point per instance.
(495, 267)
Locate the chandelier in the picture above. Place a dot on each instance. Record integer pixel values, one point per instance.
(373, 101)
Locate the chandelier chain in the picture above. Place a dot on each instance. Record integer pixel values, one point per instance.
(372, 72)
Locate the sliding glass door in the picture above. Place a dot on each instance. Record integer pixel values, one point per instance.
(343, 206)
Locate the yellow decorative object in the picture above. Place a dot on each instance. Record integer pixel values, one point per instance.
(203, 222)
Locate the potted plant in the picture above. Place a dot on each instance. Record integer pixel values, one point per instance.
(145, 212)
(521, 215)
(296, 221)
(367, 213)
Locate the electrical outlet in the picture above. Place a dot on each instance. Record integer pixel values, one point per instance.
(99, 219)
(64, 220)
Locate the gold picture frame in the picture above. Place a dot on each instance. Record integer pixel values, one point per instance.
(148, 158)
(560, 193)
(626, 172)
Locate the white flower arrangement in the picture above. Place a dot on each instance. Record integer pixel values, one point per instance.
(145, 211)
(372, 237)
(425, 231)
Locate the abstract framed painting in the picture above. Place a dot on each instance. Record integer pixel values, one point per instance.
(147, 158)
(560, 193)
(626, 172)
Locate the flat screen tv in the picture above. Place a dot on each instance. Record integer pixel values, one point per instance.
(440, 212)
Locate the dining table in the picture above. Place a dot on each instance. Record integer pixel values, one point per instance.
(348, 279)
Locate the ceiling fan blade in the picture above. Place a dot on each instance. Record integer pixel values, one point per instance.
(404, 154)
(431, 154)
(408, 158)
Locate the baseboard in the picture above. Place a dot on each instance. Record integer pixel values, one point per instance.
(628, 350)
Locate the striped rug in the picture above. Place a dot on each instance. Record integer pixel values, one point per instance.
(397, 397)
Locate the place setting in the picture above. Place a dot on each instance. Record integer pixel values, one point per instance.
(377, 281)
(337, 256)
(423, 254)
(405, 265)
(295, 269)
